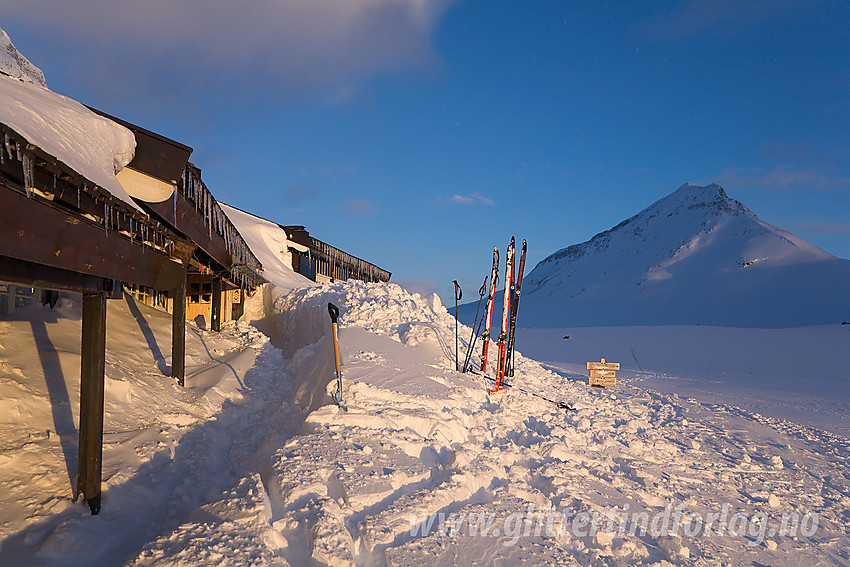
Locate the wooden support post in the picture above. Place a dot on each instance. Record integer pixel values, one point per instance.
(216, 304)
(93, 355)
(178, 332)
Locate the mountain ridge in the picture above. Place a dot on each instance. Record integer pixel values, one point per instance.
(695, 256)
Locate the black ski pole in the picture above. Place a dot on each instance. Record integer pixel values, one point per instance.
(562, 405)
(458, 296)
(481, 293)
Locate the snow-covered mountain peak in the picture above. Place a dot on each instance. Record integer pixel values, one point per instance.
(711, 197)
(688, 258)
(14, 64)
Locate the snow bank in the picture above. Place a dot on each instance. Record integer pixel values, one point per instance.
(165, 447)
(93, 146)
(420, 466)
(422, 460)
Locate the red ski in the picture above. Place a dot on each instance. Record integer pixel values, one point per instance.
(485, 336)
(506, 313)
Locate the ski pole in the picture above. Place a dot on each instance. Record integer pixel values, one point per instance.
(458, 296)
(481, 293)
(333, 311)
(562, 405)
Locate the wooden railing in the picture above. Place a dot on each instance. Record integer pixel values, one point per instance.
(334, 263)
(246, 270)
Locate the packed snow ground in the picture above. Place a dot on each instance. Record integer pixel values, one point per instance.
(799, 374)
(252, 464)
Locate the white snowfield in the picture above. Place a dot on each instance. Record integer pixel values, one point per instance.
(252, 464)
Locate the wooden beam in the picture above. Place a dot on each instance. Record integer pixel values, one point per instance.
(186, 220)
(29, 274)
(216, 304)
(92, 365)
(178, 333)
(39, 231)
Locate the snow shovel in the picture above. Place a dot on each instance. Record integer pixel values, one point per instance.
(334, 313)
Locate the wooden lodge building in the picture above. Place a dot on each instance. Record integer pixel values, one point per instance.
(175, 249)
(324, 263)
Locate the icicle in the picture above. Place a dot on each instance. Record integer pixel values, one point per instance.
(27, 165)
(105, 227)
(18, 151)
(78, 197)
(6, 141)
(55, 178)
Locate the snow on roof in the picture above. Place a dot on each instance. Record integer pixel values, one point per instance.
(269, 244)
(91, 145)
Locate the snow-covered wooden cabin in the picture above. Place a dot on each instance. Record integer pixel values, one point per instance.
(88, 206)
(170, 188)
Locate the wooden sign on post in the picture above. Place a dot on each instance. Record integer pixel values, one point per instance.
(602, 373)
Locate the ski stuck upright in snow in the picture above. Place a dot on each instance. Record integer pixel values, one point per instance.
(509, 356)
(506, 310)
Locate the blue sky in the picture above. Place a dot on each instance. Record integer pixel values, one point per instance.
(418, 135)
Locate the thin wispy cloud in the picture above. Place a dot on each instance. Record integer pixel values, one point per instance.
(819, 228)
(467, 200)
(695, 17)
(358, 207)
(292, 46)
(783, 179)
(300, 192)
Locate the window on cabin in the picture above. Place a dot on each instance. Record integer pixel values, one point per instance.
(23, 296)
(200, 293)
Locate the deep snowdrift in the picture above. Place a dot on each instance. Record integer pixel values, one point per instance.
(695, 257)
(422, 467)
